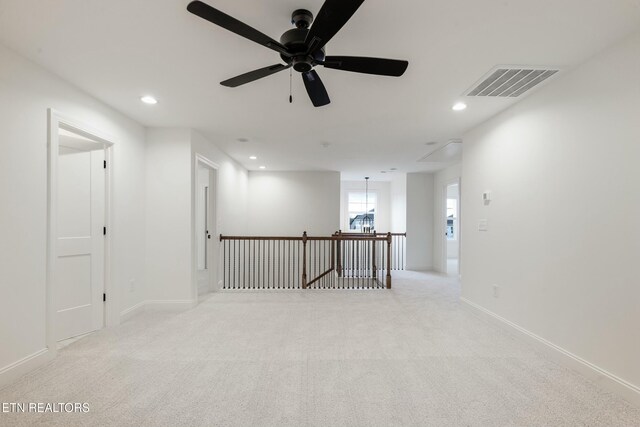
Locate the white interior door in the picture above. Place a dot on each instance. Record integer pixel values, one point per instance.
(452, 228)
(79, 269)
(204, 228)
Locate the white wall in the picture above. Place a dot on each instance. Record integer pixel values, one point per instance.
(231, 199)
(442, 179)
(171, 219)
(398, 192)
(564, 230)
(383, 210)
(168, 220)
(232, 186)
(420, 221)
(289, 203)
(26, 92)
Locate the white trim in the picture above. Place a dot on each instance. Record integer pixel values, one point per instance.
(602, 377)
(111, 307)
(132, 311)
(56, 120)
(200, 160)
(441, 239)
(346, 191)
(171, 304)
(10, 373)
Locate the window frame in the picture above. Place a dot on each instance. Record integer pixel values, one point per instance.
(347, 212)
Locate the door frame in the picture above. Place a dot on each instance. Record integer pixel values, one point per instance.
(201, 161)
(56, 120)
(443, 220)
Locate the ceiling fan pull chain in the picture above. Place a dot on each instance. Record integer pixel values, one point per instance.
(290, 86)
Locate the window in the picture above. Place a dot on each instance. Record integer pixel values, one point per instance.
(452, 219)
(362, 211)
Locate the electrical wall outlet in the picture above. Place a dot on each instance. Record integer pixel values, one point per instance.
(496, 291)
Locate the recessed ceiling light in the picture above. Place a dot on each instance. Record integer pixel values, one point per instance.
(263, 167)
(431, 143)
(243, 140)
(148, 99)
(459, 106)
(393, 169)
(252, 157)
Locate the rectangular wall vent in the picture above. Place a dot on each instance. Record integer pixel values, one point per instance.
(510, 82)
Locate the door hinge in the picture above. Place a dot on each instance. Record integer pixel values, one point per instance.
(104, 297)
(104, 231)
(104, 164)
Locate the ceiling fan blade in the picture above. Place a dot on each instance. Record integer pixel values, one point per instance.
(332, 16)
(360, 64)
(254, 75)
(227, 22)
(315, 89)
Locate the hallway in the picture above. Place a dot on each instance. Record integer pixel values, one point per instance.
(407, 356)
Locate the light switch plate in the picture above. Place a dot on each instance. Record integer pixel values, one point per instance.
(483, 225)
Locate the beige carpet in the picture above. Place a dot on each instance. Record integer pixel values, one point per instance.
(411, 356)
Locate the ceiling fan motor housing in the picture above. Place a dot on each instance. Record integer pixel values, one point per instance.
(294, 41)
(301, 18)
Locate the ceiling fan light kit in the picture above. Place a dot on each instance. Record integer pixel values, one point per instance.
(303, 47)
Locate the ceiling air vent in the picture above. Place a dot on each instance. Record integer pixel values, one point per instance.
(510, 82)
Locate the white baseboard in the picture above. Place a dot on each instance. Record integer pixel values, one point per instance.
(132, 311)
(170, 305)
(607, 380)
(10, 373)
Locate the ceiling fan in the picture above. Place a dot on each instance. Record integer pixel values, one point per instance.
(303, 47)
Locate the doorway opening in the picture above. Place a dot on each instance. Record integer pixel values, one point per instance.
(78, 224)
(452, 228)
(206, 241)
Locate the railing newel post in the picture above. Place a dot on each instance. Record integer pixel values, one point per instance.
(304, 260)
(388, 260)
(339, 252)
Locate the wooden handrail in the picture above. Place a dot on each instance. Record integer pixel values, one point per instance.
(300, 239)
(349, 260)
(375, 233)
(319, 277)
(259, 238)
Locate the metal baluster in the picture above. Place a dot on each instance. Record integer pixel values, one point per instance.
(268, 263)
(243, 263)
(252, 263)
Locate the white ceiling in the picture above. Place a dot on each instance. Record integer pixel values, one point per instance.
(120, 50)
